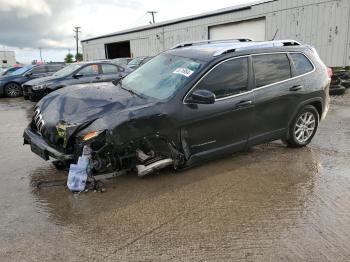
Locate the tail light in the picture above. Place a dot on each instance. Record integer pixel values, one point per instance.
(329, 72)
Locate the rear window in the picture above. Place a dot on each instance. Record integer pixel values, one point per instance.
(271, 68)
(301, 63)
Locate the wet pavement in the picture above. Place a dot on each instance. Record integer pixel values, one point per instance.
(270, 203)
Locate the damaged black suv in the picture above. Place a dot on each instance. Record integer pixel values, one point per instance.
(190, 103)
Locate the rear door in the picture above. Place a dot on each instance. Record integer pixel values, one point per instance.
(111, 72)
(226, 123)
(276, 94)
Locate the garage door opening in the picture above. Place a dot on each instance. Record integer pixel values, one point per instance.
(254, 29)
(116, 50)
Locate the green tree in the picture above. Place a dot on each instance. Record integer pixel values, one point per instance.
(68, 59)
(79, 57)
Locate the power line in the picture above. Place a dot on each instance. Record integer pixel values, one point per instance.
(77, 31)
(152, 14)
(41, 57)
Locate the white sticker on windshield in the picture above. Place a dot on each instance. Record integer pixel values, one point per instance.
(183, 71)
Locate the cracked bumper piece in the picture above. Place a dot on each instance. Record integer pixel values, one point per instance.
(144, 170)
(39, 146)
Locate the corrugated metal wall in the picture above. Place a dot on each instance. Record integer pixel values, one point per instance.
(9, 57)
(322, 23)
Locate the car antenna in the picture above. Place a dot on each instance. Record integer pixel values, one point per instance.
(275, 35)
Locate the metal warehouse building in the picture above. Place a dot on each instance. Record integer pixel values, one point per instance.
(7, 58)
(324, 24)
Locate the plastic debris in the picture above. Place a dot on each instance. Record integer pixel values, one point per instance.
(78, 173)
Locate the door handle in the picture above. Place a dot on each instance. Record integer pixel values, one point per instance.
(296, 88)
(244, 103)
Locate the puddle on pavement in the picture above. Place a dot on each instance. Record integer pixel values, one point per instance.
(261, 204)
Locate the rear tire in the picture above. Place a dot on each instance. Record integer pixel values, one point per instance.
(303, 127)
(345, 83)
(13, 90)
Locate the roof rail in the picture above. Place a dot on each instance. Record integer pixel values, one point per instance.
(208, 41)
(266, 44)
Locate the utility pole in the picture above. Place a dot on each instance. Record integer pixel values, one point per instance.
(77, 31)
(152, 14)
(41, 57)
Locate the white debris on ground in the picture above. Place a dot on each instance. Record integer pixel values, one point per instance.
(78, 173)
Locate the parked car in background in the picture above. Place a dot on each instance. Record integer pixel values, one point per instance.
(122, 61)
(136, 62)
(144, 61)
(77, 73)
(10, 70)
(188, 104)
(10, 85)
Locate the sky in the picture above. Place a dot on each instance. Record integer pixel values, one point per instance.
(27, 25)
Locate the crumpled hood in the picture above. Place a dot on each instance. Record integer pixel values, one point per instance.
(43, 80)
(84, 103)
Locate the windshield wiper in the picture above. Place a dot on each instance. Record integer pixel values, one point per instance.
(130, 91)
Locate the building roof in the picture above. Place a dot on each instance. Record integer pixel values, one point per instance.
(221, 11)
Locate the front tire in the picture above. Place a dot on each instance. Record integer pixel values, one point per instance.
(303, 127)
(13, 90)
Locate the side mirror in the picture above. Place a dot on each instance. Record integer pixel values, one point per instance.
(201, 97)
(76, 76)
(28, 74)
(116, 81)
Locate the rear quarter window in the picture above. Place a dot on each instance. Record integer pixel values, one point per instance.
(271, 68)
(301, 63)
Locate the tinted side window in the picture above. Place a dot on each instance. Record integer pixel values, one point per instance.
(270, 69)
(89, 70)
(109, 69)
(39, 70)
(228, 78)
(54, 68)
(301, 63)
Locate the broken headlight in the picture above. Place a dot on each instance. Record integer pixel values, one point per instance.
(38, 87)
(90, 135)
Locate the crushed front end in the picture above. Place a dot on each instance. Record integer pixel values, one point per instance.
(111, 149)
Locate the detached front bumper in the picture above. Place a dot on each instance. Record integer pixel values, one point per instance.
(39, 146)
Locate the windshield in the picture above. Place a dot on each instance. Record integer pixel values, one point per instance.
(162, 76)
(67, 70)
(22, 70)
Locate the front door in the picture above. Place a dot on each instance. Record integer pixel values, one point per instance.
(88, 74)
(225, 124)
